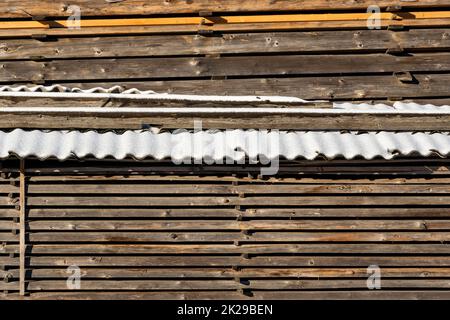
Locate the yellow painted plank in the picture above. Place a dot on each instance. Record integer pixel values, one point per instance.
(224, 20)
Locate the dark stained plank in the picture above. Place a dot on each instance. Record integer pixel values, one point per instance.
(273, 42)
(229, 261)
(57, 31)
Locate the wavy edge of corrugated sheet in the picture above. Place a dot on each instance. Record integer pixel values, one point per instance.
(236, 145)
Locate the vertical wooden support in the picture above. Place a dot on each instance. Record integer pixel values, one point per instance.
(22, 218)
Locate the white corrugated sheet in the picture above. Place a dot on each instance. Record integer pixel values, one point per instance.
(397, 106)
(117, 92)
(217, 145)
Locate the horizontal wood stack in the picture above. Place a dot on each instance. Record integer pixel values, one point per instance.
(152, 230)
(312, 232)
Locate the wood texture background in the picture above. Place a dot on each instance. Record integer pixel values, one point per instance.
(156, 231)
(315, 60)
(166, 236)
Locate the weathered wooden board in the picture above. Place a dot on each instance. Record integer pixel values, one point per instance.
(310, 233)
(408, 169)
(233, 213)
(256, 273)
(46, 32)
(229, 261)
(216, 225)
(10, 8)
(254, 249)
(287, 250)
(414, 294)
(228, 20)
(157, 68)
(257, 121)
(156, 285)
(143, 201)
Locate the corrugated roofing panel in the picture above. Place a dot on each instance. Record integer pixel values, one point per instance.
(217, 145)
(397, 106)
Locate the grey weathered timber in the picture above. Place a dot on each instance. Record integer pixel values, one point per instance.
(37, 120)
(312, 88)
(179, 67)
(273, 42)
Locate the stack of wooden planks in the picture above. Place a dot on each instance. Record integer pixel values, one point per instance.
(316, 50)
(153, 230)
(311, 232)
